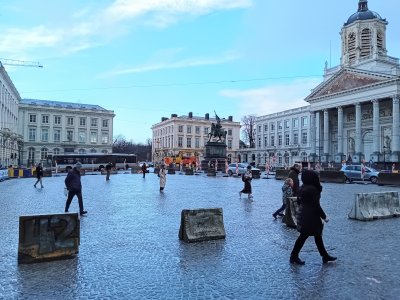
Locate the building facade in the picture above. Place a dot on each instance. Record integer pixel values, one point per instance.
(10, 141)
(354, 113)
(52, 127)
(187, 135)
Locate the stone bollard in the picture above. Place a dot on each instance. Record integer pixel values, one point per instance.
(48, 237)
(171, 171)
(189, 172)
(201, 225)
(211, 172)
(291, 207)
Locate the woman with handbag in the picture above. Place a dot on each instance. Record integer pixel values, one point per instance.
(309, 217)
(246, 178)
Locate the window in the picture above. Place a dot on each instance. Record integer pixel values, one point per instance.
(93, 150)
(188, 129)
(180, 141)
(57, 135)
(197, 129)
(93, 137)
(56, 151)
(105, 123)
(31, 155)
(272, 141)
(304, 121)
(279, 140)
(32, 118)
(230, 132)
(81, 151)
(70, 121)
(295, 123)
(57, 120)
(70, 135)
(43, 154)
(287, 124)
(82, 137)
(45, 119)
(365, 43)
(259, 142)
(189, 142)
(272, 126)
(259, 128)
(287, 139)
(229, 144)
(265, 127)
(304, 138)
(197, 143)
(295, 138)
(104, 137)
(45, 134)
(279, 125)
(265, 141)
(93, 122)
(32, 134)
(205, 130)
(180, 128)
(82, 121)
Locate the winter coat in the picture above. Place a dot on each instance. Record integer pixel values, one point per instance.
(286, 192)
(163, 177)
(246, 178)
(310, 213)
(73, 181)
(294, 175)
(39, 172)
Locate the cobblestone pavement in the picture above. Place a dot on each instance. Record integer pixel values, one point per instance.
(130, 248)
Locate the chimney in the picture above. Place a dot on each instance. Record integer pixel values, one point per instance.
(164, 119)
(174, 115)
(190, 115)
(207, 116)
(230, 118)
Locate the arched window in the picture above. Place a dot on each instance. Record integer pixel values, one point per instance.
(286, 159)
(93, 150)
(104, 151)
(280, 159)
(81, 151)
(43, 153)
(379, 41)
(351, 47)
(304, 156)
(56, 151)
(365, 43)
(31, 155)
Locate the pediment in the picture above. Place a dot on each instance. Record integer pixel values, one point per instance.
(346, 80)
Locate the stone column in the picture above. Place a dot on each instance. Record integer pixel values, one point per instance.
(312, 133)
(358, 129)
(375, 126)
(326, 132)
(396, 124)
(317, 133)
(340, 130)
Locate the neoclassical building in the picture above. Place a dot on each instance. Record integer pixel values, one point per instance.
(354, 112)
(187, 135)
(10, 140)
(53, 127)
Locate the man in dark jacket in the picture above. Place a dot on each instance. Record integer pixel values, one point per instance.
(144, 170)
(74, 187)
(39, 175)
(294, 175)
(309, 217)
(108, 171)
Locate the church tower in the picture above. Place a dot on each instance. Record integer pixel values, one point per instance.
(364, 39)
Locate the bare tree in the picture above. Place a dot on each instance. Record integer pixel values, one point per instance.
(249, 130)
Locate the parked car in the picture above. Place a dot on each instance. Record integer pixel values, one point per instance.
(242, 167)
(353, 173)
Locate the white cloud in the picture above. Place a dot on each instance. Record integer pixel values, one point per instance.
(273, 98)
(163, 65)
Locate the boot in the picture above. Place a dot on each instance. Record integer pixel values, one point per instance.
(296, 260)
(328, 258)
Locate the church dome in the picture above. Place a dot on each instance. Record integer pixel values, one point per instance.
(363, 13)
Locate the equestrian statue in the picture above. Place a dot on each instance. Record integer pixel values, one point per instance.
(217, 131)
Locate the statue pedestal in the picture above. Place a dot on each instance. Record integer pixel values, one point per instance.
(215, 152)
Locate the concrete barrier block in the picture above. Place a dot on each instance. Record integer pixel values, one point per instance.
(48, 237)
(189, 172)
(332, 176)
(369, 206)
(171, 171)
(281, 174)
(388, 179)
(201, 225)
(211, 172)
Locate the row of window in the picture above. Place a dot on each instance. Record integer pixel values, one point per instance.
(69, 136)
(197, 130)
(69, 120)
(286, 124)
(168, 142)
(44, 152)
(304, 140)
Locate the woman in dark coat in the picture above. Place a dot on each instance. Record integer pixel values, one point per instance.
(309, 217)
(246, 178)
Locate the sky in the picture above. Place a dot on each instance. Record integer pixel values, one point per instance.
(147, 59)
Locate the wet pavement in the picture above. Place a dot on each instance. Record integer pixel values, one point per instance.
(130, 248)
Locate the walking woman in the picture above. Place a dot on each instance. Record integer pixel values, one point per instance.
(163, 177)
(246, 178)
(39, 175)
(309, 217)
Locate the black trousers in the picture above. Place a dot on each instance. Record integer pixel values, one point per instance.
(71, 195)
(300, 243)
